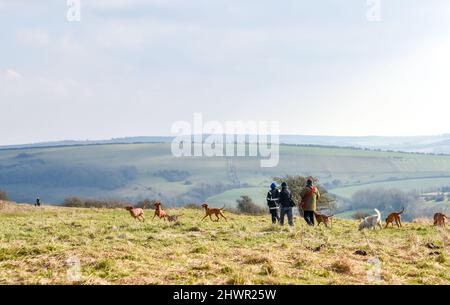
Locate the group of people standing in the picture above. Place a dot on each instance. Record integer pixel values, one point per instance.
(280, 202)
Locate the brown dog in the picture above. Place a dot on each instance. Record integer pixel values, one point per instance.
(214, 211)
(394, 217)
(323, 218)
(136, 213)
(159, 211)
(439, 219)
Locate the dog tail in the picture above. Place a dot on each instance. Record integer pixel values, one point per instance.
(378, 213)
(403, 209)
(223, 208)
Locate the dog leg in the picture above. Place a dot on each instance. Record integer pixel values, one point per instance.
(204, 217)
(223, 216)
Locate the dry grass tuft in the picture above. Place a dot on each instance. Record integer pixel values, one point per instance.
(193, 229)
(200, 249)
(256, 260)
(341, 266)
(268, 269)
(237, 279)
(441, 258)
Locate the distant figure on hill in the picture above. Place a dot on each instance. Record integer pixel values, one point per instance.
(273, 196)
(310, 195)
(286, 204)
(38, 202)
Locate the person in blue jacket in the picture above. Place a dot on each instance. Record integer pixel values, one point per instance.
(272, 201)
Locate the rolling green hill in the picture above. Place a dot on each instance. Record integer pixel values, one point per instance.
(129, 171)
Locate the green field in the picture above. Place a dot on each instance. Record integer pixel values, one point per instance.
(58, 172)
(420, 185)
(228, 198)
(54, 245)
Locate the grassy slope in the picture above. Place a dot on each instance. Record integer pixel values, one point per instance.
(35, 244)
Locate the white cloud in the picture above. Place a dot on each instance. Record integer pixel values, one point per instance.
(12, 75)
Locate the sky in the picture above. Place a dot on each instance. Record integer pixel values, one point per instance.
(135, 67)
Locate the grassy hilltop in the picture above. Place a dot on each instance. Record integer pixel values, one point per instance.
(113, 248)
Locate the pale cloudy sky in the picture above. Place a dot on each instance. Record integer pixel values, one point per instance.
(133, 67)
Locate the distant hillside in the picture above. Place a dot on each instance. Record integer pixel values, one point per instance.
(134, 172)
(439, 144)
(127, 140)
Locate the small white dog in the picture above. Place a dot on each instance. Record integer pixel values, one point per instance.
(371, 221)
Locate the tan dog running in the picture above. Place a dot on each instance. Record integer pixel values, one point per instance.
(212, 211)
(159, 211)
(136, 213)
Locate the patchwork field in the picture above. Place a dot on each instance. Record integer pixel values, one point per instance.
(129, 172)
(228, 198)
(54, 245)
(420, 185)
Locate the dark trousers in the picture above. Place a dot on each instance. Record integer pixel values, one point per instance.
(288, 212)
(309, 217)
(275, 217)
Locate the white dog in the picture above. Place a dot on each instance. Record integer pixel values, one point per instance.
(371, 221)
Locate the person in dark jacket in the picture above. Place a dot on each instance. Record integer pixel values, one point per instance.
(286, 204)
(272, 201)
(38, 202)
